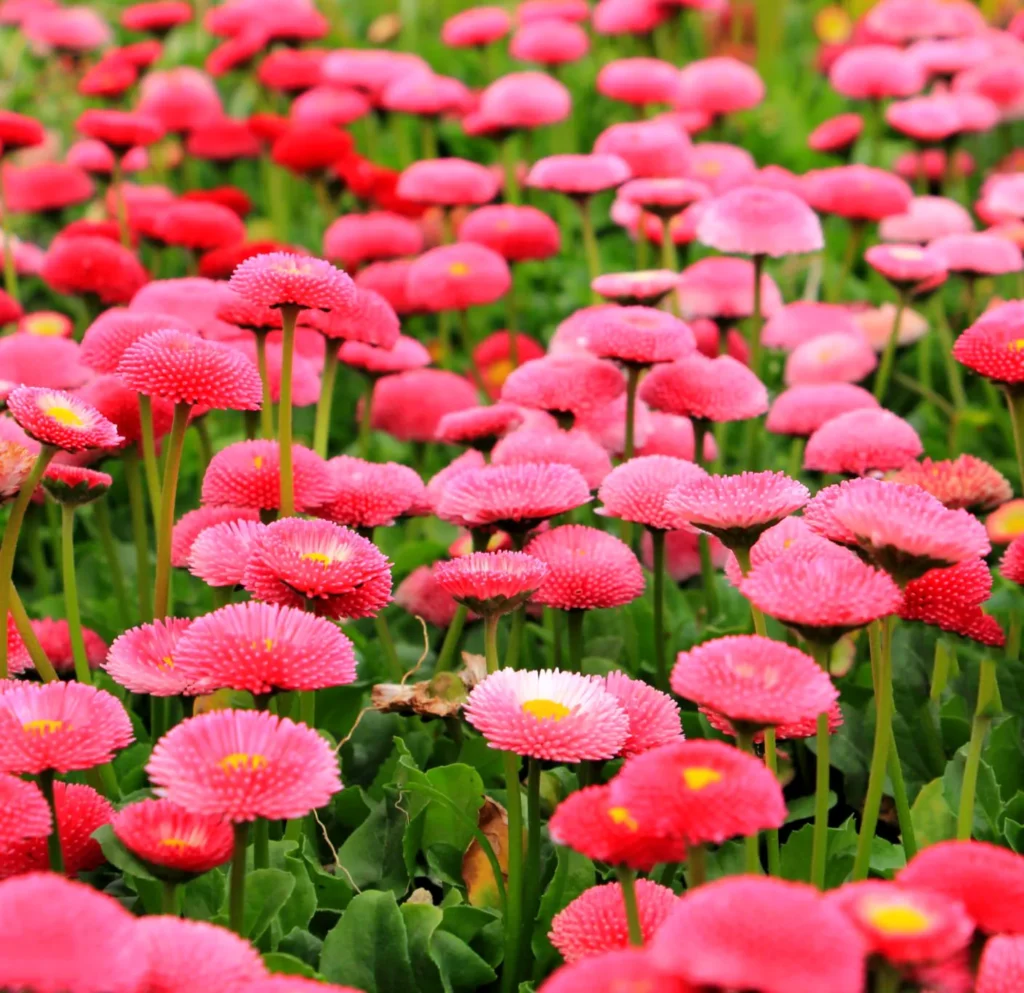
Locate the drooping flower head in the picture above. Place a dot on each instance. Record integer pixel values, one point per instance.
(862, 441)
(244, 764)
(638, 490)
(964, 482)
(58, 419)
(248, 474)
(142, 658)
(719, 389)
(71, 485)
(282, 279)
(547, 714)
(491, 583)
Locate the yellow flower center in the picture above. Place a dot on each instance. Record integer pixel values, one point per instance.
(899, 919)
(243, 761)
(65, 415)
(257, 462)
(545, 710)
(178, 843)
(907, 254)
(47, 327)
(458, 269)
(44, 726)
(324, 560)
(709, 168)
(1015, 346)
(166, 661)
(698, 777)
(497, 372)
(621, 816)
(268, 644)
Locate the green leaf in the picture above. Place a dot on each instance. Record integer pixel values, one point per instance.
(841, 844)
(266, 892)
(886, 857)
(931, 815)
(303, 946)
(301, 905)
(802, 809)
(372, 854)
(421, 921)
(287, 965)
(119, 856)
(461, 969)
(368, 948)
(987, 802)
(332, 892)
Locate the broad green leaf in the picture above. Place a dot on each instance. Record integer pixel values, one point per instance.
(841, 843)
(287, 965)
(303, 946)
(987, 802)
(461, 969)
(372, 854)
(202, 898)
(802, 809)
(421, 921)
(266, 892)
(333, 892)
(301, 905)
(933, 819)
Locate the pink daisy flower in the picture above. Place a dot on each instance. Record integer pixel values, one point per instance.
(281, 279)
(595, 921)
(193, 523)
(858, 192)
(171, 840)
(637, 490)
(801, 410)
(926, 219)
(836, 357)
(724, 288)
(449, 182)
(30, 360)
(564, 385)
(338, 571)
(60, 420)
(578, 175)
(989, 346)
(367, 495)
(607, 972)
(964, 482)
(950, 599)
(437, 391)
(264, 648)
(755, 220)
(736, 509)
(142, 658)
(368, 318)
(649, 147)
(421, 595)
(803, 321)
(836, 134)
(862, 441)
(633, 289)
(719, 389)
(244, 764)
(547, 445)
(55, 640)
(491, 583)
(479, 427)
(588, 569)
(977, 254)
(1001, 967)
(23, 811)
(682, 554)
(719, 85)
(61, 726)
(405, 355)
(653, 715)
(637, 336)
(1011, 566)
(547, 714)
(220, 553)
(789, 532)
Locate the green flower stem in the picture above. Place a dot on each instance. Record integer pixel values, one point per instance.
(796, 456)
(853, 243)
(531, 877)
(669, 255)
(574, 624)
(101, 518)
(149, 460)
(632, 382)
(757, 318)
(267, 405)
(954, 375)
(452, 636)
(169, 899)
(881, 642)
(745, 742)
(660, 662)
(819, 845)
(899, 793)
(514, 889)
(1013, 638)
(515, 637)
(760, 627)
(365, 419)
(236, 901)
(889, 355)
(771, 760)
(668, 874)
(140, 533)
(512, 319)
(71, 608)
(33, 528)
(117, 178)
(627, 880)
(289, 314)
(697, 861)
(53, 839)
(590, 246)
(10, 539)
(987, 706)
(387, 644)
(491, 642)
(168, 492)
(510, 156)
(28, 635)
(1015, 401)
(428, 137)
(10, 272)
(707, 578)
(261, 843)
(322, 425)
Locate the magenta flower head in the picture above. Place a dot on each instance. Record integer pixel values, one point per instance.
(221, 552)
(518, 234)
(630, 289)
(244, 764)
(905, 266)
(653, 715)
(447, 183)
(248, 474)
(491, 583)
(281, 279)
(355, 239)
(142, 658)
(457, 277)
(367, 318)
(875, 72)
(552, 715)
(724, 288)
(637, 336)
(106, 339)
(437, 391)
(579, 176)
(801, 410)
(719, 389)
(588, 569)
(524, 100)
(333, 570)
(476, 26)
(756, 220)
(566, 386)
(367, 495)
(717, 86)
(836, 134)
(797, 323)
(24, 814)
(405, 355)
(858, 192)
(638, 490)
(836, 357)
(990, 345)
(862, 441)
(649, 148)
(479, 427)
(60, 420)
(548, 445)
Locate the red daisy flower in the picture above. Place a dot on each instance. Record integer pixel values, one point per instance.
(19, 131)
(93, 265)
(991, 347)
(368, 318)
(491, 583)
(61, 726)
(244, 764)
(46, 187)
(192, 524)
(222, 262)
(61, 420)
(71, 485)
(653, 715)
(862, 441)
(157, 16)
(965, 482)
(142, 658)
(339, 572)
(118, 129)
(719, 389)
(24, 813)
(610, 971)
(199, 226)
(310, 148)
(221, 552)
(516, 233)
(1011, 566)
(171, 840)
(367, 495)
(280, 279)
(951, 599)
(55, 639)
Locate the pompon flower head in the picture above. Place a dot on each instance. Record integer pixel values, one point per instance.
(514, 498)
(547, 714)
(719, 389)
(220, 553)
(836, 134)
(578, 175)
(367, 495)
(457, 277)
(637, 336)
(595, 921)
(60, 726)
(368, 318)
(491, 583)
(720, 85)
(549, 42)
(588, 569)
(633, 289)
(682, 554)
(800, 941)
(1011, 566)
(516, 233)
(905, 266)
(821, 592)
(800, 410)
(874, 72)
(103, 956)
(420, 595)
(637, 490)
(978, 254)
(244, 764)
(282, 279)
(23, 811)
(862, 441)
(190, 525)
(721, 287)
(60, 420)
(753, 681)
(450, 182)
(173, 843)
(479, 427)
(437, 391)
(106, 339)
(1001, 967)
(355, 239)
(93, 265)
(904, 529)
(142, 658)
(836, 357)
(736, 509)
(803, 321)
(991, 345)
(926, 219)
(185, 954)
(965, 482)
(523, 100)
(80, 812)
(653, 715)
(405, 355)
(591, 822)
(638, 81)
(986, 879)
(950, 599)
(248, 474)
(754, 220)
(564, 385)
(185, 369)
(700, 792)
(339, 572)
(858, 192)
(29, 360)
(550, 445)
(611, 971)
(649, 148)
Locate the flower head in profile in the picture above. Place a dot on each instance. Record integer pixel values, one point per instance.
(637, 490)
(71, 485)
(221, 552)
(862, 441)
(992, 347)
(491, 583)
(437, 391)
(547, 445)
(950, 599)
(174, 843)
(142, 658)
(282, 279)
(754, 220)
(60, 420)
(15, 464)
(24, 813)
(966, 482)
(800, 410)
(1002, 964)
(248, 474)
(369, 495)
(566, 386)
(636, 336)
(653, 715)
(190, 525)
(244, 764)
(548, 714)
(719, 389)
